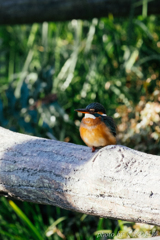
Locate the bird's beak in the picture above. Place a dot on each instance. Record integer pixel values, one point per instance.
(82, 110)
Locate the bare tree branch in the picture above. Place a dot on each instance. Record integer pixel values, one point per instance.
(115, 182)
(29, 11)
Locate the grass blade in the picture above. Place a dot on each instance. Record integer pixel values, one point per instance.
(26, 220)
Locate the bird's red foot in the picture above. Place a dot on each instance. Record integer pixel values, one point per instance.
(93, 149)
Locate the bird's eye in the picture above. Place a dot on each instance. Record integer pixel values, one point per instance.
(92, 110)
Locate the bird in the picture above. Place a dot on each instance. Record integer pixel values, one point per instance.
(96, 128)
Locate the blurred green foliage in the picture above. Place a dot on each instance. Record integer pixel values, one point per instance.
(46, 71)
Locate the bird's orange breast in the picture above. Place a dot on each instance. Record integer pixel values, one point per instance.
(95, 133)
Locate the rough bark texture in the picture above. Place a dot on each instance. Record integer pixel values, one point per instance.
(115, 182)
(29, 11)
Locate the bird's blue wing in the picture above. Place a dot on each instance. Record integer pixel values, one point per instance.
(110, 124)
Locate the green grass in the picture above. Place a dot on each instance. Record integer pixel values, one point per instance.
(46, 71)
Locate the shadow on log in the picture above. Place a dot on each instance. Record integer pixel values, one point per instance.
(115, 182)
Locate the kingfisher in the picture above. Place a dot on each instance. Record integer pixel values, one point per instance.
(96, 128)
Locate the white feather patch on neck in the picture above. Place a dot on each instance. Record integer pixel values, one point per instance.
(87, 115)
(104, 114)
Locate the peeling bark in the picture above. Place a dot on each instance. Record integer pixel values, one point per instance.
(29, 11)
(115, 182)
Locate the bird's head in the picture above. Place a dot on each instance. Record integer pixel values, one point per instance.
(93, 110)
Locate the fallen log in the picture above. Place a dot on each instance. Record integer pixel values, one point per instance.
(115, 182)
(28, 11)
